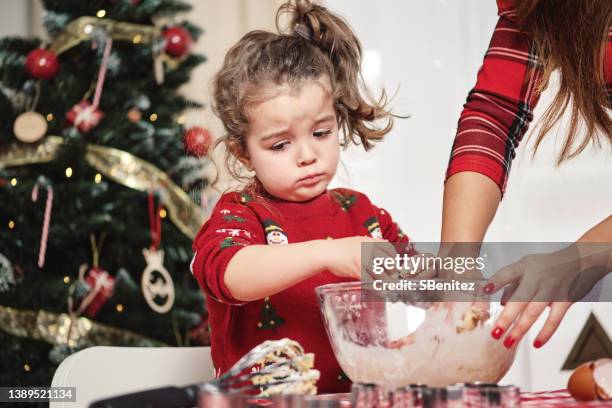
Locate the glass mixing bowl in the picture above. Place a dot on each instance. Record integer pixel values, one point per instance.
(415, 340)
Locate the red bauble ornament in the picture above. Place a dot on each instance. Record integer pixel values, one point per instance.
(197, 141)
(42, 64)
(178, 41)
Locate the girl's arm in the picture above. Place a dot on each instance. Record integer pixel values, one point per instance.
(257, 271)
(233, 264)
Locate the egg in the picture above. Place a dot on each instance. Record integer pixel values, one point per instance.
(581, 383)
(602, 374)
(592, 381)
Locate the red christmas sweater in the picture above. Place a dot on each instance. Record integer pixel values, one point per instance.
(237, 221)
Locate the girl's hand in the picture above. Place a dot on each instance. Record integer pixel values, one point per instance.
(344, 256)
(535, 282)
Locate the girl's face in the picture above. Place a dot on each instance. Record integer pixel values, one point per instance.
(292, 143)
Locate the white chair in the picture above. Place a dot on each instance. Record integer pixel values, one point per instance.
(101, 372)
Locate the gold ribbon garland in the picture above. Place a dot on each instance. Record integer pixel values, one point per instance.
(121, 167)
(61, 329)
(82, 29)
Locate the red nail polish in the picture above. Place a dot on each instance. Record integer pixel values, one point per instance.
(497, 332)
(488, 289)
(537, 343)
(509, 342)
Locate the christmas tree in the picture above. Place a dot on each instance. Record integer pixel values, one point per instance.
(269, 318)
(97, 172)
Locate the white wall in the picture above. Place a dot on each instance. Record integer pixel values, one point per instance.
(14, 17)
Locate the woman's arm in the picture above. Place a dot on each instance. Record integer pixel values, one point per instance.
(470, 202)
(601, 232)
(556, 280)
(493, 121)
(595, 246)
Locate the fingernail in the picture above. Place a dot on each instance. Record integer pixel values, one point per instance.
(509, 341)
(497, 332)
(488, 289)
(537, 343)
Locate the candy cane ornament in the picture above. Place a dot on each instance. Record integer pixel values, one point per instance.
(85, 115)
(46, 221)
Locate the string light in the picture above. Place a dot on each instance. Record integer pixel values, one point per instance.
(119, 307)
(101, 13)
(137, 39)
(68, 172)
(66, 279)
(13, 182)
(181, 120)
(98, 178)
(153, 117)
(26, 367)
(88, 29)
(11, 224)
(163, 213)
(49, 117)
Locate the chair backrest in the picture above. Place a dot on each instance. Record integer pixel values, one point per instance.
(100, 372)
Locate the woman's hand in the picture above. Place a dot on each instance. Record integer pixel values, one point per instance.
(345, 256)
(533, 283)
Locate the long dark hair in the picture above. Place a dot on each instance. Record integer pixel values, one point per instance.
(572, 36)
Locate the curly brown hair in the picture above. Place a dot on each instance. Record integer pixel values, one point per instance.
(317, 44)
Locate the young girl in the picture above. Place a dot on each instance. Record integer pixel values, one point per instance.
(283, 99)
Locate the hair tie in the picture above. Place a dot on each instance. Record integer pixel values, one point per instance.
(304, 31)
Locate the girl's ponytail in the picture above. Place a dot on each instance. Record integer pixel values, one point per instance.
(332, 35)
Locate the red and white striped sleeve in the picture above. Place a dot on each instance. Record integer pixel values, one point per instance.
(500, 106)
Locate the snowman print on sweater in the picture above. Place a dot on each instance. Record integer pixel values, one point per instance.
(373, 227)
(274, 233)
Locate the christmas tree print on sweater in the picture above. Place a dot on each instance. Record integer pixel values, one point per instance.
(342, 376)
(231, 233)
(269, 318)
(400, 233)
(345, 200)
(232, 218)
(245, 198)
(229, 242)
(373, 227)
(274, 233)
